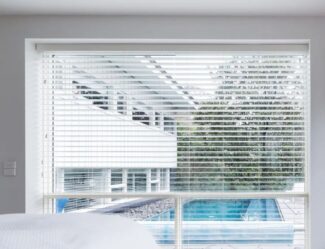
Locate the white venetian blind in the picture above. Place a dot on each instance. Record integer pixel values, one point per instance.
(174, 121)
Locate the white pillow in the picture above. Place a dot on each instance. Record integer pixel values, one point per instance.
(72, 231)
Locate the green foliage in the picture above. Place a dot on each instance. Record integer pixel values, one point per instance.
(223, 151)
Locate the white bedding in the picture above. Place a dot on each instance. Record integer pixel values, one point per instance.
(72, 231)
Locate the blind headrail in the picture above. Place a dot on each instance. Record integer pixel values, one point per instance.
(193, 46)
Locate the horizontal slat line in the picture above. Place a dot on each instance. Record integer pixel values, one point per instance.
(232, 124)
(59, 81)
(207, 140)
(285, 84)
(173, 54)
(260, 97)
(74, 74)
(65, 84)
(177, 70)
(62, 90)
(188, 143)
(221, 195)
(195, 107)
(192, 53)
(57, 63)
(189, 133)
(180, 124)
(267, 67)
(99, 103)
(72, 114)
(215, 152)
(68, 85)
(59, 129)
(189, 186)
(195, 85)
(288, 61)
(189, 137)
(244, 112)
(298, 161)
(186, 133)
(212, 65)
(211, 152)
(223, 165)
(208, 144)
(128, 164)
(228, 146)
(211, 124)
(210, 170)
(218, 177)
(181, 144)
(262, 164)
(298, 105)
(178, 47)
(156, 102)
(230, 175)
(298, 158)
(88, 64)
(81, 67)
(265, 80)
(165, 83)
(91, 125)
(58, 78)
(197, 48)
(103, 97)
(235, 108)
(58, 68)
(290, 85)
(246, 108)
(279, 52)
(196, 123)
(220, 180)
(253, 97)
(262, 84)
(224, 168)
(175, 60)
(236, 113)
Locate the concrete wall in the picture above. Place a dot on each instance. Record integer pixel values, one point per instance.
(13, 31)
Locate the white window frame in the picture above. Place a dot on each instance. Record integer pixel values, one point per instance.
(34, 202)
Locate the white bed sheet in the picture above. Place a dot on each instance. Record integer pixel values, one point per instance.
(72, 231)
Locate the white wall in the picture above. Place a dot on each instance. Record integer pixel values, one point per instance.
(119, 152)
(13, 31)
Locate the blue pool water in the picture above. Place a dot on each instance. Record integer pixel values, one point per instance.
(225, 210)
(211, 221)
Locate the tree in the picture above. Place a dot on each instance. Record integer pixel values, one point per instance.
(252, 141)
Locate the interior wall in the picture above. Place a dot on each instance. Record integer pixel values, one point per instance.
(14, 30)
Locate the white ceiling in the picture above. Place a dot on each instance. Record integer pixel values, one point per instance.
(166, 7)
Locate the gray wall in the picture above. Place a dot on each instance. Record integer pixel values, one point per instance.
(13, 31)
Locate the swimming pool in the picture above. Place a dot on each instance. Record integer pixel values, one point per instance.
(225, 210)
(211, 221)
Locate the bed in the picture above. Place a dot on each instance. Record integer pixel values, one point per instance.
(72, 231)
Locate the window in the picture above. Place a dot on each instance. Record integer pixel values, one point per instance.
(140, 116)
(121, 104)
(215, 154)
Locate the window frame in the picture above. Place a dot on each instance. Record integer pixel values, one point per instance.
(33, 47)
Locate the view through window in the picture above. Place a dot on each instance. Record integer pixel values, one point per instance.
(206, 149)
